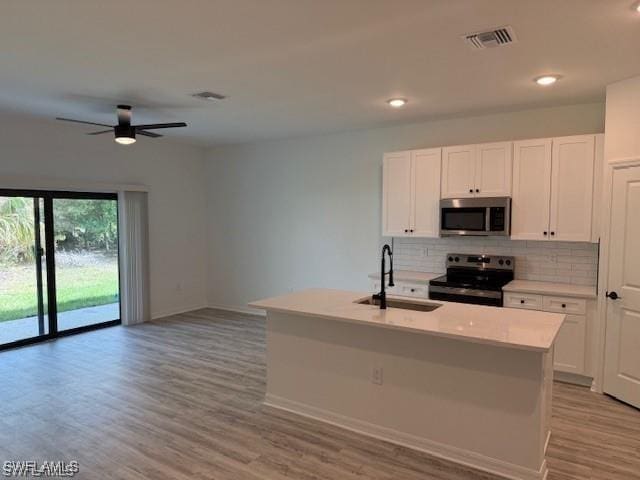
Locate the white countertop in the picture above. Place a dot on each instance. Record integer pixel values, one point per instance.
(550, 288)
(505, 327)
(408, 276)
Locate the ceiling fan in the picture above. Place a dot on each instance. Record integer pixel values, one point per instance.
(125, 133)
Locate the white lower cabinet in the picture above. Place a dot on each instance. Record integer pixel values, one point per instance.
(570, 352)
(571, 349)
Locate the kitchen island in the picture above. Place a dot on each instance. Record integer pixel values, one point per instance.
(468, 383)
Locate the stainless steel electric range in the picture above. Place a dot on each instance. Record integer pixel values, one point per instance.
(473, 279)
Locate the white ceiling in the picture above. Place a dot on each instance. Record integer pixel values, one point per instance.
(295, 67)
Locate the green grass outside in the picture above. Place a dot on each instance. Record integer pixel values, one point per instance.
(77, 287)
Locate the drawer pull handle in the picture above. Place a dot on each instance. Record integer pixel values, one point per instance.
(564, 305)
(413, 289)
(522, 301)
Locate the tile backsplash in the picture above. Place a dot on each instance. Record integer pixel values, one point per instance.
(563, 262)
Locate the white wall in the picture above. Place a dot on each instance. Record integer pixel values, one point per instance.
(173, 172)
(306, 212)
(622, 138)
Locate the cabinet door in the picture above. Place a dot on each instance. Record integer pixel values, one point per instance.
(396, 194)
(531, 190)
(572, 188)
(569, 351)
(493, 169)
(458, 171)
(425, 208)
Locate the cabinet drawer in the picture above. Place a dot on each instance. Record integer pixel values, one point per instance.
(404, 289)
(412, 290)
(568, 305)
(375, 288)
(523, 300)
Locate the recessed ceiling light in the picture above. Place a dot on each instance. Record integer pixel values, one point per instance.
(546, 80)
(397, 102)
(637, 7)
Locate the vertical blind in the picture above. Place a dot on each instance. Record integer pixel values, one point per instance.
(134, 256)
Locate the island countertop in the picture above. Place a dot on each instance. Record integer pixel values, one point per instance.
(505, 327)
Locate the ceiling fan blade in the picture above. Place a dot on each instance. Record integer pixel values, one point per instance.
(82, 121)
(154, 126)
(147, 134)
(124, 115)
(101, 132)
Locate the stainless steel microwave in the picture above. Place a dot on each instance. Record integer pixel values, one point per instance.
(475, 216)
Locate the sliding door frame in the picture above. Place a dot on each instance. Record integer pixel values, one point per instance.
(52, 303)
(38, 253)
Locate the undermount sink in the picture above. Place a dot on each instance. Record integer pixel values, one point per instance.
(403, 304)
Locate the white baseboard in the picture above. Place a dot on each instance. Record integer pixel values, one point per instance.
(446, 452)
(573, 378)
(246, 310)
(177, 311)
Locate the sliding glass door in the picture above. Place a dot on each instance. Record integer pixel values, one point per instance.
(58, 264)
(86, 253)
(23, 292)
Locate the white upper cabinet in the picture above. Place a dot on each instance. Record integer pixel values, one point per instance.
(477, 170)
(551, 182)
(396, 194)
(411, 193)
(425, 217)
(553, 189)
(458, 171)
(572, 188)
(531, 189)
(493, 169)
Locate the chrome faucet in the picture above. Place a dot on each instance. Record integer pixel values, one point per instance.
(382, 296)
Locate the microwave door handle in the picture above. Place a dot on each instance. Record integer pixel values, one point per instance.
(487, 220)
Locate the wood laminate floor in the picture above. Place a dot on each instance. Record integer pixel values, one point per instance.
(180, 398)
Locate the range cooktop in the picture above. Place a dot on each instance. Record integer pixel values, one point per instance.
(473, 279)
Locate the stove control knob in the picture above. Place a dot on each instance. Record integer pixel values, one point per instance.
(457, 259)
(508, 262)
(500, 261)
(451, 259)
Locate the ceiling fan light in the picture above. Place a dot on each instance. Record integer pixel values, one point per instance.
(125, 140)
(125, 134)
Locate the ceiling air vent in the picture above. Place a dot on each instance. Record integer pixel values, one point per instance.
(208, 96)
(490, 39)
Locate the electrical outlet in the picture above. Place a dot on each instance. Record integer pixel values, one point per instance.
(376, 375)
